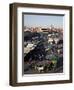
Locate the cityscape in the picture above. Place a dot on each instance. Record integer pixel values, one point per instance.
(43, 49)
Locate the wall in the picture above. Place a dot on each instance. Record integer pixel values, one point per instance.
(4, 46)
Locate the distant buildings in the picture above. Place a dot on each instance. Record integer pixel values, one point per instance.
(42, 29)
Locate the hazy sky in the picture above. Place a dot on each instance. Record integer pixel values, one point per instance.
(43, 20)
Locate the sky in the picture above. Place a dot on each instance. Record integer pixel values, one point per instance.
(43, 20)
